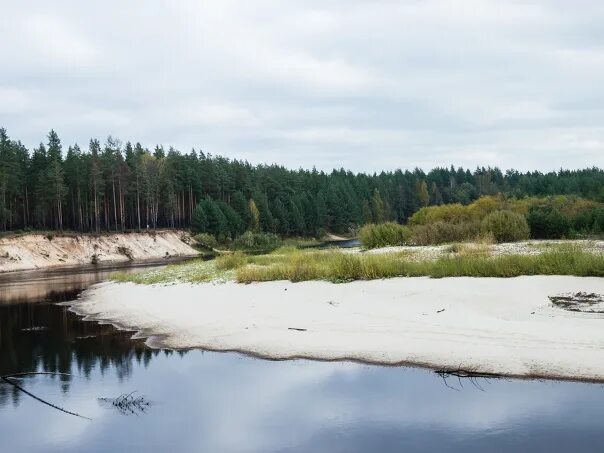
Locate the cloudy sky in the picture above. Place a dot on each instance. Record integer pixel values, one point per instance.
(366, 85)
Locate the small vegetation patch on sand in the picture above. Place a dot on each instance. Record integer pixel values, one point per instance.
(457, 260)
(338, 267)
(193, 271)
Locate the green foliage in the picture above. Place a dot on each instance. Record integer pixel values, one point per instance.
(341, 267)
(231, 261)
(547, 222)
(116, 186)
(206, 241)
(471, 260)
(547, 218)
(208, 218)
(192, 271)
(444, 232)
(377, 207)
(256, 242)
(254, 217)
(383, 235)
(505, 226)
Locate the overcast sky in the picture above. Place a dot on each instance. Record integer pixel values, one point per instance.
(367, 85)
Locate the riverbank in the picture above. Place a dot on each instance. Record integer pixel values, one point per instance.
(505, 327)
(41, 251)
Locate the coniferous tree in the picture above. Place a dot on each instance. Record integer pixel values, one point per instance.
(117, 187)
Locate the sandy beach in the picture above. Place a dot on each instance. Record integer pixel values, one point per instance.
(488, 325)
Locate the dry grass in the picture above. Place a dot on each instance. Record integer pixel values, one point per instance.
(473, 260)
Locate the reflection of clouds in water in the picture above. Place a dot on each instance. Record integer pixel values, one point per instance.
(227, 402)
(240, 403)
(52, 428)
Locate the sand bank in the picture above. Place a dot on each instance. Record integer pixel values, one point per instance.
(489, 325)
(38, 251)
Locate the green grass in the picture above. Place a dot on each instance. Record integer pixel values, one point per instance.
(288, 263)
(383, 235)
(301, 242)
(193, 271)
(340, 267)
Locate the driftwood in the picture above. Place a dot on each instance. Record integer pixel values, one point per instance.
(17, 386)
(127, 404)
(580, 302)
(470, 375)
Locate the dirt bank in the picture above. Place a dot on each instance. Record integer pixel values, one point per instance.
(488, 325)
(38, 251)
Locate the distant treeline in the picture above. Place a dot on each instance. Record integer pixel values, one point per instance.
(115, 186)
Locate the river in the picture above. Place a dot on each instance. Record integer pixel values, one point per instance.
(204, 401)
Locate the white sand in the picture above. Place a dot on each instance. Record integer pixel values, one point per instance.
(37, 251)
(532, 247)
(503, 326)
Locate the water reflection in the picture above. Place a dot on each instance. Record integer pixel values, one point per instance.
(46, 337)
(228, 402)
(62, 283)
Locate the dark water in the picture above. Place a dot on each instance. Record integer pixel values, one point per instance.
(201, 401)
(342, 244)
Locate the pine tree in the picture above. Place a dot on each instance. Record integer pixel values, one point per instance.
(377, 207)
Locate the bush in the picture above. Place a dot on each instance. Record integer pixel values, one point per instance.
(383, 235)
(505, 226)
(256, 242)
(206, 241)
(444, 232)
(547, 222)
(231, 261)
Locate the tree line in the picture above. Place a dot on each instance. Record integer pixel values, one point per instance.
(113, 186)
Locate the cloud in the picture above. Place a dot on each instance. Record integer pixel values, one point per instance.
(427, 83)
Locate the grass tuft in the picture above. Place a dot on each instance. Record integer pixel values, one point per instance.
(336, 266)
(458, 260)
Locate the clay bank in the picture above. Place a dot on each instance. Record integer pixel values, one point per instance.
(40, 251)
(531, 326)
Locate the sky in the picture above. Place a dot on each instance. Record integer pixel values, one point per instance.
(364, 85)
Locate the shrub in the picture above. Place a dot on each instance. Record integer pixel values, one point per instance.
(231, 261)
(257, 242)
(505, 226)
(444, 232)
(206, 241)
(383, 235)
(445, 213)
(547, 222)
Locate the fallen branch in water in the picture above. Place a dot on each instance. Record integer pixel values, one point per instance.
(128, 404)
(17, 386)
(29, 373)
(461, 373)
